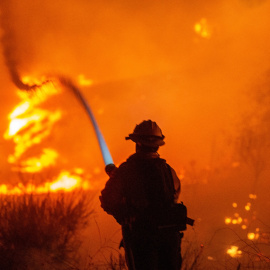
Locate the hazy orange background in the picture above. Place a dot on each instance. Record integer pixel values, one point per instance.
(146, 62)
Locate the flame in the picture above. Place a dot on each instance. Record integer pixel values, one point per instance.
(66, 181)
(36, 164)
(29, 125)
(83, 81)
(234, 252)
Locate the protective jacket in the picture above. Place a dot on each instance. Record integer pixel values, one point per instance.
(140, 189)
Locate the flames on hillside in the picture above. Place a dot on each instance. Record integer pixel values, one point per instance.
(30, 125)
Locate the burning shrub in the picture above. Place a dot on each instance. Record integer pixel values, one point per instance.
(49, 224)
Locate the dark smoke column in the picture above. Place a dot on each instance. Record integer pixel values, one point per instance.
(8, 42)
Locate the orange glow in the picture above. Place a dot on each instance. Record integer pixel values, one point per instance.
(181, 174)
(247, 206)
(234, 252)
(203, 29)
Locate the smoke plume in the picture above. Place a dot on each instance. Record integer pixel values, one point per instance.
(9, 47)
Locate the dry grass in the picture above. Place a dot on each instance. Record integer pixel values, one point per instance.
(34, 226)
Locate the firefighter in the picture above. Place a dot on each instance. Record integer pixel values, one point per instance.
(136, 194)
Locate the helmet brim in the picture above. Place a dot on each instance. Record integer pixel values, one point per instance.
(151, 141)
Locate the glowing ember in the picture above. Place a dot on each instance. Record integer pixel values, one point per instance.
(247, 206)
(253, 236)
(228, 220)
(83, 81)
(234, 252)
(203, 28)
(244, 222)
(252, 196)
(236, 220)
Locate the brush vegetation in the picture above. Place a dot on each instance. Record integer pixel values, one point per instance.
(41, 228)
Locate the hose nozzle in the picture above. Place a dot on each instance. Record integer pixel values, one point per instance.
(110, 169)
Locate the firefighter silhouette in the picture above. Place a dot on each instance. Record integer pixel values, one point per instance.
(139, 195)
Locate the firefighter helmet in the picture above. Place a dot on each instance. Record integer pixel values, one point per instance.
(147, 133)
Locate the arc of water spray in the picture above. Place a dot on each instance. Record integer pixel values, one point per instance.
(102, 144)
